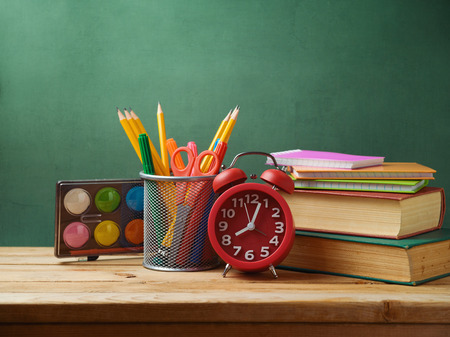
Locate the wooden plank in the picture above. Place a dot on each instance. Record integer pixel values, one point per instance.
(109, 291)
(126, 282)
(44, 256)
(133, 273)
(225, 329)
(129, 278)
(216, 307)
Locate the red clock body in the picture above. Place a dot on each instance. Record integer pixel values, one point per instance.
(251, 227)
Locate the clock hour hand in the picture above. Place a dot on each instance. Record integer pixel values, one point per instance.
(243, 230)
(249, 227)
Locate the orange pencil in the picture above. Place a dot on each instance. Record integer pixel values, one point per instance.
(171, 147)
(129, 131)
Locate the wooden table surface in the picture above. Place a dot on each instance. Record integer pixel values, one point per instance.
(40, 294)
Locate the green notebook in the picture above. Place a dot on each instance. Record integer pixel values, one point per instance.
(393, 186)
(409, 261)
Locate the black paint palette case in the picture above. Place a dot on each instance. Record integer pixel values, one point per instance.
(98, 217)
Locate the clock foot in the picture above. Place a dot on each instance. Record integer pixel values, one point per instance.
(272, 270)
(226, 270)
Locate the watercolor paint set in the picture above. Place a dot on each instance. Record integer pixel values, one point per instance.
(99, 217)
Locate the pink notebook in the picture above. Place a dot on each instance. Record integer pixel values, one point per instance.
(324, 159)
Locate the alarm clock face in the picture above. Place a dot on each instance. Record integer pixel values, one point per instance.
(250, 227)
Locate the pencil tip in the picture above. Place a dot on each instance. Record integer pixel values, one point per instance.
(133, 115)
(235, 113)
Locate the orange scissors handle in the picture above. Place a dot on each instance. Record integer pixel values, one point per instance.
(193, 166)
(213, 169)
(182, 172)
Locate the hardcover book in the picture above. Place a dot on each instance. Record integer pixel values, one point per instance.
(408, 261)
(377, 214)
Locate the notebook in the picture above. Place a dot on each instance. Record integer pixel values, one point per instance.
(323, 159)
(393, 186)
(384, 171)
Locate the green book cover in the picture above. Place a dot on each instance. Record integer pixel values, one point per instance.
(393, 186)
(406, 243)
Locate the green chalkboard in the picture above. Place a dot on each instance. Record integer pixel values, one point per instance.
(363, 77)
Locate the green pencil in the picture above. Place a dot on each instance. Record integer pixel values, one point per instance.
(146, 155)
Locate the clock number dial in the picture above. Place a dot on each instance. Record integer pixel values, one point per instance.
(274, 241)
(265, 252)
(237, 250)
(279, 227)
(223, 226)
(250, 225)
(276, 212)
(249, 255)
(228, 213)
(226, 240)
(249, 198)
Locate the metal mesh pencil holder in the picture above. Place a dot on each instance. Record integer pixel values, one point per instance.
(176, 211)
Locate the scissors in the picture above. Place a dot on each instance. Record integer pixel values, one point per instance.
(192, 169)
(190, 196)
(194, 162)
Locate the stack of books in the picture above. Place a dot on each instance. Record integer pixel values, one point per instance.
(360, 216)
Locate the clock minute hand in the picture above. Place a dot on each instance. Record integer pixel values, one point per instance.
(245, 228)
(246, 211)
(251, 225)
(256, 213)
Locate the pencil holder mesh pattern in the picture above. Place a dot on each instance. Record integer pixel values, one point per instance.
(176, 211)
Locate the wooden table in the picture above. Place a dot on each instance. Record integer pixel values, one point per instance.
(43, 295)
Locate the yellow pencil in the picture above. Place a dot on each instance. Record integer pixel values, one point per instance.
(207, 160)
(225, 136)
(138, 122)
(227, 133)
(162, 137)
(130, 133)
(132, 123)
(159, 168)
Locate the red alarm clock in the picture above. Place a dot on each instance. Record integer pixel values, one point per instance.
(250, 225)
